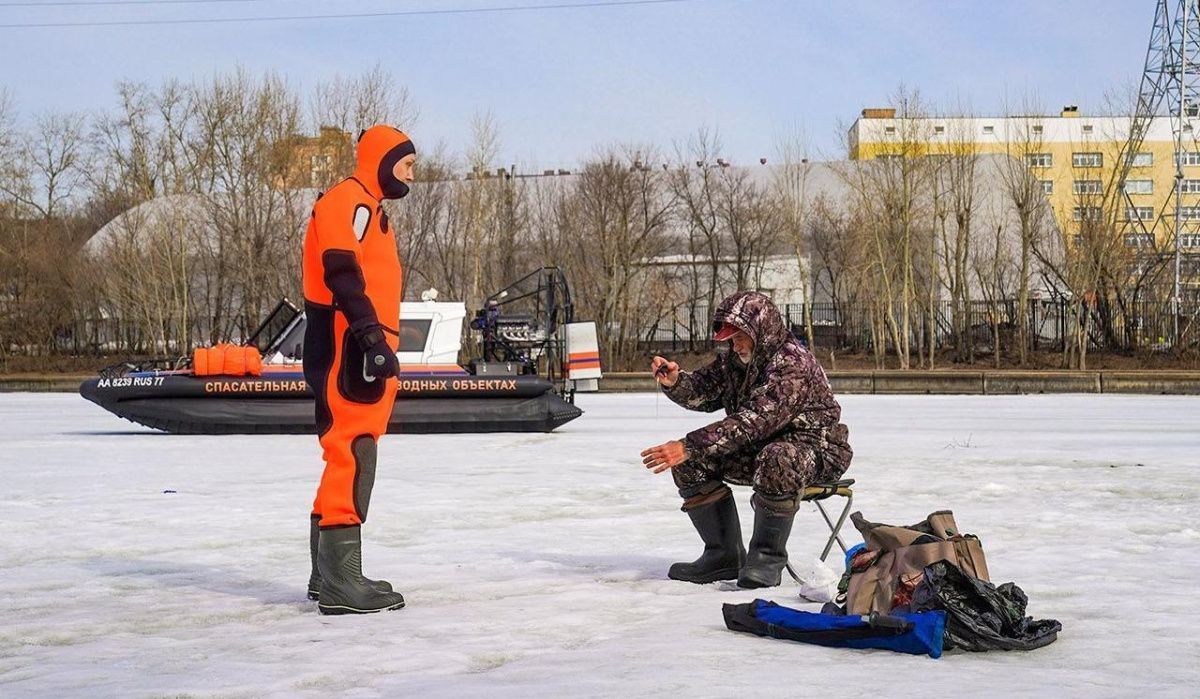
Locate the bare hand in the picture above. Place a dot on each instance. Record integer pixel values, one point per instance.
(665, 456)
(665, 371)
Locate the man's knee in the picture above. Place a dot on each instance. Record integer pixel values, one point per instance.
(690, 474)
(775, 454)
(782, 469)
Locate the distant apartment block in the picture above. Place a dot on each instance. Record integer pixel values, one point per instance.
(1078, 160)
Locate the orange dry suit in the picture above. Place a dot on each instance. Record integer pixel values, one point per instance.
(352, 287)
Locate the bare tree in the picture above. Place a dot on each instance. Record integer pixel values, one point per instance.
(623, 218)
(350, 104)
(1089, 247)
(226, 239)
(239, 122)
(417, 223)
(961, 166)
(145, 263)
(51, 160)
(1137, 279)
(41, 171)
(10, 152)
(750, 218)
(791, 184)
(888, 190)
(1026, 150)
(994, 272)
(840, 253)
(694, 184)
(478, 199)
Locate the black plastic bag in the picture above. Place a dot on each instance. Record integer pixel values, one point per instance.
(979, 615)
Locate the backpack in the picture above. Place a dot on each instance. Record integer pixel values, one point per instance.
(884, 576)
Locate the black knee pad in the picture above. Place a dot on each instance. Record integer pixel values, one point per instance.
(365, 455)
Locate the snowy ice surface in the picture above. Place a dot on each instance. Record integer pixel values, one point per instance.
(535, 564)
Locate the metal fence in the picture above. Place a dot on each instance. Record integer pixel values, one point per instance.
(1052, 323)
(1144, 326)
(106, 335)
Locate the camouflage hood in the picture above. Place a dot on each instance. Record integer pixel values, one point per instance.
(756, 315)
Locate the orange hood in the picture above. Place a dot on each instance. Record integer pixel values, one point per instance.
(379, 149)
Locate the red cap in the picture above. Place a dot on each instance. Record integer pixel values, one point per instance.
(725, 331)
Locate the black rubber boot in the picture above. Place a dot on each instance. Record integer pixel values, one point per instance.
(344, 590)
(314, 578)
(767, 556)
(721, 532)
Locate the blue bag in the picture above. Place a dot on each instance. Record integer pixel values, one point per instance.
(919, 633)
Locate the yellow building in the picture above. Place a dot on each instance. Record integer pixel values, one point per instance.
(1077, 159)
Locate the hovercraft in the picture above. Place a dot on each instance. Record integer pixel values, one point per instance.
(525, 381)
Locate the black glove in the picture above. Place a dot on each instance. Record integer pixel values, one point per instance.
(379, 361)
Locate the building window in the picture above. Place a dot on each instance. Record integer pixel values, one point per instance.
(1087, 160)
(1139, 186)
(1086, 213)
(1139, 240)
(1139, 213)
(1189, 186)
(1086, 187)
(1141, 159)
(321, 162)
(319, 166)
(1047, 186)
(1189, 213)
(1189, 240)
(1087, 128)
(939, 130)
(1189, 158)
(889, 157)
(1037, 128)
(889, 130)
(1039, 160)
(989, 130)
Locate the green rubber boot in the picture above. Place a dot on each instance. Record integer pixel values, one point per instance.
(314, 578)
(344, 590)
(719, 528)
(767, 556)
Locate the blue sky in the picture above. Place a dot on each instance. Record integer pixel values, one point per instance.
(560, 83)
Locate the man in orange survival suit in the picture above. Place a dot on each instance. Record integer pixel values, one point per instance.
(352, 286)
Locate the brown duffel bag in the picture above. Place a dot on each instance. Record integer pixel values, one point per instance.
(897, 557)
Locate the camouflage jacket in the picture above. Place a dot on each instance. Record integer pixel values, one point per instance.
(782, 394)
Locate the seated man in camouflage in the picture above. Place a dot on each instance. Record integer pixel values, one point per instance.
(782, 431)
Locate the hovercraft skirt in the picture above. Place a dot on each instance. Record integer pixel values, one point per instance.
(177, 406)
